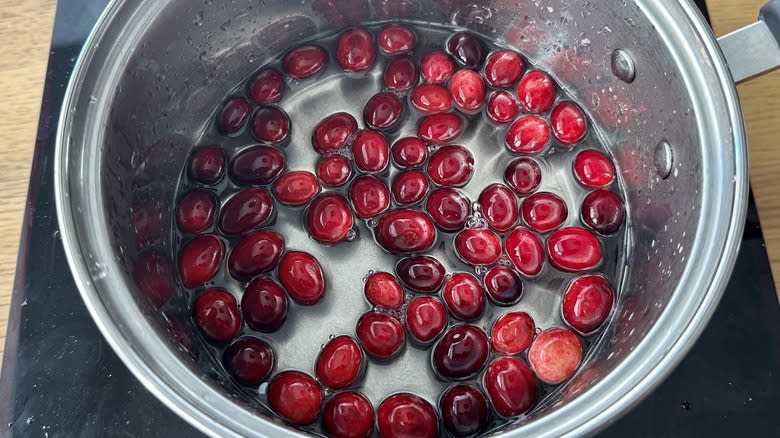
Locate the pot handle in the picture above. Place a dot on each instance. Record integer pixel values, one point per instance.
(754, 49)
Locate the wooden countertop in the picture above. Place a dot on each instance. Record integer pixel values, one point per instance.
(25, 33)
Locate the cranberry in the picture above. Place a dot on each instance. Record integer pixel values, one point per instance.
(574, 250)
(536, 92)
(400, 74)
(301, 275)
(217, 316)
(382, 290)
(267, 87)
(528, 135)
(256, 253)
(264, 305)
(153, 275)
(478, 247)
(464, 410)
(499, 206)
(405, 416)
(461, 352)
(340, 363)
(234, 115)
(249, 361)
(544, 211)
(603, 211)
(395, 40)
(503, 69)
(451, 166)
(431, 99)
(257, 165)
(468, 91)
(387, 9)
(271, 125)
(199, 260)
(369, 196)
(409, 152)
(409, 187)
(370, 151)
(196, 211)
(334, 170)
(295, 396)
(421, 273)
(512, 333)
(207, 165)
(381, 335)
(305, 61)
(437, 68)
(503, 285)
(555, 355)
(333, 132)
(501, 107)
(355, 51)
(586, 303)
(426, 318)
(383, 112)
(467, 49)
(594, 170)
(440, 128)
(296, 188)
(448, 208)
(348, 415)
(464, 297)
(146, 221)
(405, 231)
(341, 13)
(525, 251)
(523, 175)
(329, 219)
(568, 123)
(510, 386)
(247, 209)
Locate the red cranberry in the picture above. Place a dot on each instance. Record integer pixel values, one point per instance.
(499, 206)
(594, 170)
(296, 397)
(512, 333)
(536, 92)
(381, 335)
(217, 316)
(528, 135)
(256, 253)
(196, 211)
(568, 123)
(271, 125)
(448, 208)
(383, 290)
(409, 152)
(264, 305)
(370, 151)
(333, 132)
(431, 99)
(523, 175)
(249, 361)
(257, 165)
(395, 40)
(207, 165)
(369, 196)
(355, 51)
(334, 170)
(501, 107)
(233, 116)
(574, 250)
(267, 87)
(478, 247)
(451, 166)
(603, 211)
(400, 74)
(305, 61)
(586, 303)
(503, 69)
(437, 68)
(383, 112)
(422, 274)
(296, 188)
(409, 187)
(329, 219)
(348, 415)
(426, 318)
(464, 297)
(405, 231)
(468, 91)
(525, 251)
(146, 221)
(301, 275)
(406, 415)
(247, 209)
(555, 355)
(510, 387)
(461, 352)
(153, 275)
(464, 410)
(467, 49)
(440, 128)
(341, 13)
(340, 363)
(199, 260)
(544, 211)
(503, 285)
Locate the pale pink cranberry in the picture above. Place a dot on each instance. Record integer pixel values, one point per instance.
(503, 69)
(409, 187)
(370, 196)
(544, 211)
(523, 175)
(568, 123)
(267, 87)
(468, 91)
(395, 40)
(512, 333)
(528, 135)
(409, 152)
(536, 92)
(501, 107)
(356, 51)
(451, 166)
(426, 319)
(370, 151)
(296, 397)
(603, 211)
(448, 208)
(499, 207)
(400, 75)
(574, 250)
(334, 170)
(305, 61)
(329, 219)
(431, 99)
(478, 247)
(555, 355)
(525, 251)
(437, 68)
(587, 303)
(594, 170)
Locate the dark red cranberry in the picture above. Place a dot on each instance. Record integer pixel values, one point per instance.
(406, 415)
(267, 87)
(503, 285)
(603, 211)
(305, 61)
(461, 352)
(431, 99)
(356, 51)
(523, 175)
(464, 410)
(154, 277)
(329, 219)
(467, 49)
(574, 250)
(503, 69)
(370, 197)
(409, 187)
(271, 125)
(234, 115)
(381, 335)
(395, 40)
(437, 68)
(512, 333)
(448, 208)
(199, 260)
(409, 152)
(422, 274)
(544, 211)
(195, 212)
(370, 151)
(264, 305)
(296, 397)
(341, 13)
(207, 165)
(383, 112)
(594, 170)
(340, 363)
(501, 107)
(146, 221)
(528, 135)
(451, 166)
(333, 132)
(499, 207)
(464, 297)
(426, 319)
(249, 361)
(301, 275)
(296, 188)
(468, 91)
(586, 303)
(555, 355)
(536, 92)
(405, 231)
(510, 387)
(440, 128)
(334, 170)
(247, 209)
(478, 247)
(400, 74)
(383, 290)
(348, 415)
(217, 316)
(525, 251)
(257, 165)
(568, 123)
(256, 253)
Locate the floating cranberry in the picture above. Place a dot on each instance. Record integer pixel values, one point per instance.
(467, 49)
(525, 251)
(440, 128)
(426, 319)
(334, 170)
(257, 165)
(544, 211)
(356, 51)
(409, 187)
(153, 275)
(478, 247)
(422, 274)
(233, 116)
(461, 352)
(383, 112)
(409, 152)
(329, 219)
(271, 125)
(536, 92)
(249, 361)
(464, 410)
(333, 132)
(370, 197)
(264, 305)
(195, 212)
(381, 335)
(305, 61)
(340, 363)
(555, 355)
(348, 415)
(383, 290)
(301, 275)
(296, 397)
(207, 165)
(370, 151)
(586, 303)
(247, 209)
(464, 297)
(468, 91)
(568, 123)
(448, 208)
(451, 166)
(400, 74)
(603, 211)
(396, 40)
(256, 253)
(574, 250)
(267, 87)
(199, 260)
(295, 189)
(431, 99)
(594, 170)
(437, 67)
(512, 333)
(406, 415)
(499, 207)
(510, 386)
(503, 285)
(405, 231)
(501, 107)
(503, 69)
(217, 316)
(528, 135)
(523, 175)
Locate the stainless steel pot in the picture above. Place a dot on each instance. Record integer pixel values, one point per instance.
(649, 72)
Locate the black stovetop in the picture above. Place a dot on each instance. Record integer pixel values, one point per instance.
(61, 379)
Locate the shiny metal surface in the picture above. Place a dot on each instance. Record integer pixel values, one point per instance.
(750, 51)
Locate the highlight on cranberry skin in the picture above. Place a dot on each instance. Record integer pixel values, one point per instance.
(199, 260)
(333, 132)
(464, 296)
(296, 397)
(523, 175)
(383, 290)
(568, 123)
(401, 75)
(383, 112)
(431, 99)
(370, 196)
(574, 250)
(464, 410)
(440, 128)
(448, 208)
(233, 116)
(504, 69)
(348, 414)
(207, 165)
(409, 187)
(536, 92)
(423, 274)
(460, 353)
(217, 316)
(340, 364)
(409, 152)
(510, 386)
(524, 249)
(405, 231)
(478, 247)
(301, 275)
(264, 305)
(271, 125)
(249, 360)
(396, 40)
(426, 319)
(468, 91)
(467, 49)
(267, 87)
(356, 51)
(528, 135)
(195, 212)
(555, 355)
(512, 333)
(381, 335)
(437, 68)
(334, 170)
(587, 302)
(370, 151)
(501, 107)
(406, 415)
(594, 170)
(329, 219)
(503, 285)
(246, 210)
(499, 207)
(296, 188)
(305, 61)
(451, 166)
(544, 211)
(255, 253)
(257, 165)
(603, 212)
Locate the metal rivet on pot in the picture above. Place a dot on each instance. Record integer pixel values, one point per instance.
(663, 159)
(623, 66)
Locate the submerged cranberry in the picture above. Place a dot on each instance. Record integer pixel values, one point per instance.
(195, 212)
(409, 152)
(536, 92)
(544, 211)
(383, 290)
(207, 165)
(369, 196)
(568, 123)
(594, 170)
(333, 132)
(383, 112)
(422, 274)
(525, 251)
(464, 297)
(329, 219)
(395, 40)
(426, 319)
(348, 415)
(440, 128)
(586, 303)
(301, 275)
(478, 247)
(409, 187)
(464, 410)
(247, 209)
(271, 125)
(461, 352)
(305, 61)
(267, 87)
(234, 114)
(406, 415)
(503, 285)
(523, 175)
(510, 386)
(257, 165)
(370, 151)
(154, 277)
(249, 361)
(468, 91)
(356, 51)
(574, 250)
(448, 208)
(217, 316)
(555, 355)
(405, 231)
(603, 211)
(199, 260)
(431, 99)
(501, 107)
(437, 67)
(512, 333)
(400, 74)
(503, 69)
(340, 363)
(451, 166)
(295, 396)
(334, 170)
(381, 335)
(499, 207)
(264, 305)
(467, 49)
(528, 135)
(256, 253)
